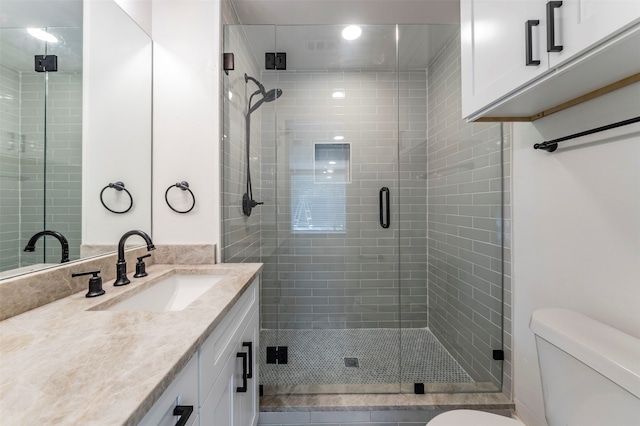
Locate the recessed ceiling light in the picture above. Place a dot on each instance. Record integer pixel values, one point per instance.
(338, 138)
(351, 32)
(42, 35)
(338, 94)
(332, 162)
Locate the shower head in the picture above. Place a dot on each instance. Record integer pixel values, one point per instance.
(272, 95)
(269, 96)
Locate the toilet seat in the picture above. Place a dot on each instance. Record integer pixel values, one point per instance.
(472, 418)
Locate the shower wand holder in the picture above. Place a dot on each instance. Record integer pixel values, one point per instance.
(248, 204)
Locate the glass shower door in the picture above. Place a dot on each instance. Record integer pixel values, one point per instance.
(40, 144)
(22, 99)
(381, 224)
(335, 229)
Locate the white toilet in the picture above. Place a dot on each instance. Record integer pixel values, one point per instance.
(590, 375)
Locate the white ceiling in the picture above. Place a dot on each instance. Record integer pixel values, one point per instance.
(309, 31)
(321, 47)
(299, 12)
(40, 13)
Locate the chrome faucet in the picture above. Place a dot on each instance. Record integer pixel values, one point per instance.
(121, 264)
(31, 245)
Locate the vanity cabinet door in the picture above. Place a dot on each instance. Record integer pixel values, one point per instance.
(494, 49)
(246, 404)
(581, 24)
(226, 404)
(183, 391)
(221, 366)
(217, 409)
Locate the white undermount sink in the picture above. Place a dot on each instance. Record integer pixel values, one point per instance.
(173, 293)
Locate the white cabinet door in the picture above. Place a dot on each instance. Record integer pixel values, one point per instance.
(182, 391)
(217, 409)
(581, 24)
(493, 49)
(221, 369)
(246, 403)
(227, 404)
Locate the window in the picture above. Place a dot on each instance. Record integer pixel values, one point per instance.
(318, 186)
(331, 163)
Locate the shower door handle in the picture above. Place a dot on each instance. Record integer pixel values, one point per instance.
(384, 201)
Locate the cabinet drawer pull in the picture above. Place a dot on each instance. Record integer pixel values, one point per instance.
(250, 361)
(551, 27)
(184, 411)
(243, 388)
(529, 41)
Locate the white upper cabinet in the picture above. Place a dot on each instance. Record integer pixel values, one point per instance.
(494, 48)
(516, 62)
(581, 24)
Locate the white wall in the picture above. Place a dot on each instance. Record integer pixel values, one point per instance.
(139, 11)
(576, 228)
(116, 122)
(186, 35)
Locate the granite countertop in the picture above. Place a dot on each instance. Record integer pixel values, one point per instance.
(64, 363)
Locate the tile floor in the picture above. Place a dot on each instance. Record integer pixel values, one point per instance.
(327, 357)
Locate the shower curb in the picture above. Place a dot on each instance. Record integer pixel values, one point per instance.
(385, 402)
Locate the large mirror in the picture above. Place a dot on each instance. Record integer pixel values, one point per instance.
(69, 137)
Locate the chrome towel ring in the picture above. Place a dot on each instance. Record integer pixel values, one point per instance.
(184, 185)
(118, 186)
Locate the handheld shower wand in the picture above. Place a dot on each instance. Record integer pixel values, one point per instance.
(260, 86)
(248, 203)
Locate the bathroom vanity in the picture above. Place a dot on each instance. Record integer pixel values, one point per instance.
(114, 360)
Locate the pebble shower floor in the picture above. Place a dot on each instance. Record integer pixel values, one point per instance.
(317, 357)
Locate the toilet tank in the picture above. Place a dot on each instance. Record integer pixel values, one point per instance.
(590, 371)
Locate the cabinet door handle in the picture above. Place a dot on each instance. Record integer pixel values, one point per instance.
(384, 191)
(243, 388)
(551, 27)
(250, 361)
(184, 411)
(529, 41)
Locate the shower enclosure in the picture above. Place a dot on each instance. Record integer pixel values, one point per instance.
(40, 143)
(381, 224)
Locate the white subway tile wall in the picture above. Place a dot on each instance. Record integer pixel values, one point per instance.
(25, 119)
(240, 234)
(466, 235)
(61, 150)
(346, 278)
(438, 265)
(9, 168)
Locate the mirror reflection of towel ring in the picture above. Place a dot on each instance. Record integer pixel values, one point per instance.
(118, 186)
(184, 185)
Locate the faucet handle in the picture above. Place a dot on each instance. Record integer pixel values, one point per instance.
(141, 267)
(95, 283)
